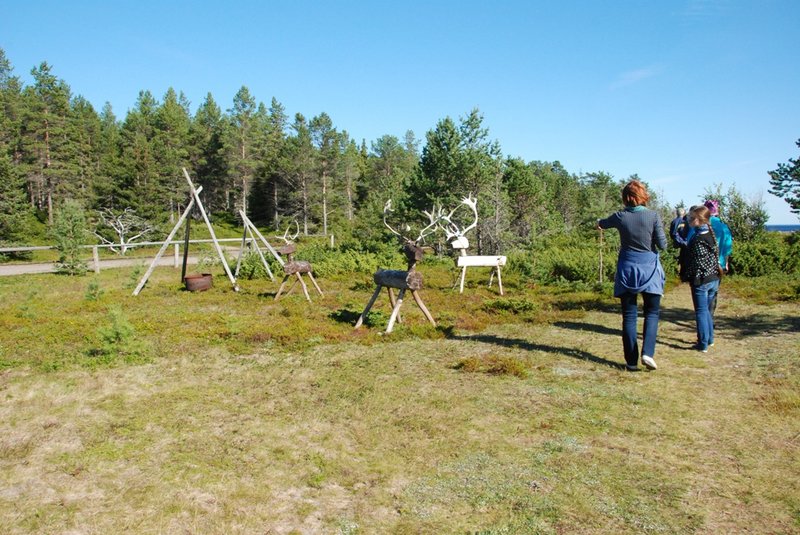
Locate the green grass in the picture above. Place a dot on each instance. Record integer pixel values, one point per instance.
(224, 412)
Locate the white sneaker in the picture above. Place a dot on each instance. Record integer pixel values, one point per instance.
(649, 362)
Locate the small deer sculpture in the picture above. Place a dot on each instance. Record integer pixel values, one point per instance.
(461, 243)
(294, 267)
(410, 279)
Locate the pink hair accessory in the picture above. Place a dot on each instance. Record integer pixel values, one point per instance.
(713, 206)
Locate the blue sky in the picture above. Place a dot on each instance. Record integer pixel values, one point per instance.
(686, 94)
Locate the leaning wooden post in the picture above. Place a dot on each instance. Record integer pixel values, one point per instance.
(269, 247)
(164, 246)
(250, 228)
(241, 253)
(211, 231)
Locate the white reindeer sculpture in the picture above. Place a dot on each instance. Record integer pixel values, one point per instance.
(403, 280)
(294, 267)
(461, 243)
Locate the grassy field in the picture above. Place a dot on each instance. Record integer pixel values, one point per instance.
(223, 412)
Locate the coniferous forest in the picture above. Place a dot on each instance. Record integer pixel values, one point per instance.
(279, 168)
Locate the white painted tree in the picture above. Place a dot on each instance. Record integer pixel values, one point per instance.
(126, 225)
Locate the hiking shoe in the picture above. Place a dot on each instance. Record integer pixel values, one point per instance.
(700, 348)
(649, 363)
(632, 367)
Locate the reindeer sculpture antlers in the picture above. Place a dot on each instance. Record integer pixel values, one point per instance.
(433, 216)
(451, 229)
(290, 239)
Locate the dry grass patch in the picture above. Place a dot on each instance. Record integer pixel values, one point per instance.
(251, 416)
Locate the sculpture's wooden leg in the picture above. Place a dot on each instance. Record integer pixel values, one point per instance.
(280, 290)
(491, 277)
(463, 274)
(294, 283)
(310, 276)
(303, 284)
(369, 305)
(499, 280)
(422, 306)
(393, 303)
(396, 310)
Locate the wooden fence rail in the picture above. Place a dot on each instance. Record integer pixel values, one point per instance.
(96, 248)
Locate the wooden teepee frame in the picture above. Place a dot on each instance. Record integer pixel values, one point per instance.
(194, 201)
(256, 236)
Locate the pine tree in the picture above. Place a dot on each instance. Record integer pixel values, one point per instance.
(240, 148)
(326, 143)
(351, 171)
(439, 168)
(298, 161)
(10, 110)
(206, 156)
(45, 140)
(138, 184)
(269, 187)
(785, 182)
(14, 210)
(69, 232)
(107, 187)
(83, 152)
(171, 150)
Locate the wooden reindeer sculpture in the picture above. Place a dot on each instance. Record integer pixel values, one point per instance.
(461, 243)
(294, 267)
(402, 280)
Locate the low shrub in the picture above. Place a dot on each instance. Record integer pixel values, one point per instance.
(118, 339)
(772, 253)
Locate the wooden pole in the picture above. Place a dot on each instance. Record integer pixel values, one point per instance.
(186, 247)
(211, 231)
(313, 280)
(260, 254)
(499, 280)
(369, 306)
(396, 310)
(392, 303)
(241, 253)
(96, 258)
(164, 246)
(422, 306)
(269, 247)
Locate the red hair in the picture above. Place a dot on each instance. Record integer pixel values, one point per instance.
(635, 194)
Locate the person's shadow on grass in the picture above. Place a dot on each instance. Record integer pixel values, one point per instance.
(577, 354)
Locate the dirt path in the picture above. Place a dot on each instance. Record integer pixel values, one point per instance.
(28, 269)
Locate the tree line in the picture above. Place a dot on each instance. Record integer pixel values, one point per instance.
(55, 146)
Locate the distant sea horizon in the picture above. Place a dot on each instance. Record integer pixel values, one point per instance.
(782, 228)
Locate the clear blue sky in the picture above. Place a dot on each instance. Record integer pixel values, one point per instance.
(686, 94)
